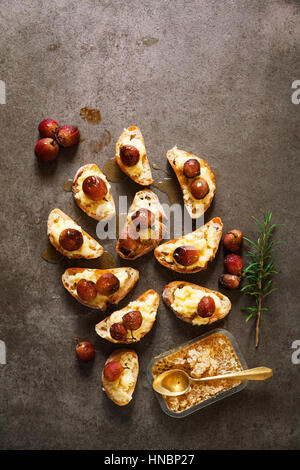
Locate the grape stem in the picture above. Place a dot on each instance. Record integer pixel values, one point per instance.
(132, 337)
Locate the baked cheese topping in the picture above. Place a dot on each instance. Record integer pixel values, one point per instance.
(121, 389)
(88, 248)
(206, 240)
(147, 310)
(186, 300)
(104, 208)
(144, 234)
(90, 275)
(150, 203)
(147, 234)
(130, 139)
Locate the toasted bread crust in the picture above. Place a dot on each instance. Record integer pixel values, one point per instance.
(145, 178)
(103, 328)
(152, 203)
(168, 298)
(56, 214)
(195, 208)
(112, 299)
(174, 267)
(90, 209)
(116, 356)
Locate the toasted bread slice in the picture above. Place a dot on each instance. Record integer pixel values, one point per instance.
(120, 391)
(147, 238)
(146, 304)
(99, 210)
(205, 239)
(141, 171)
(183, 299)
(128, 277)
(195, 207)
(59, 221)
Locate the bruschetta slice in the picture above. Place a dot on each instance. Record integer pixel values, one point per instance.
(92, 192)
(69, 239)
(119, 375)
(196, 180)
(143, 229)
(131, 156)
(192, 252)
(131, 323)
(97, 287)
(195, 304)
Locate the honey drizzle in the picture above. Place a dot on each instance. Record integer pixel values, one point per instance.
(169, 187)
(67, 186)
(107, 261)
(113, 172)
(93, 116)
(51, 255)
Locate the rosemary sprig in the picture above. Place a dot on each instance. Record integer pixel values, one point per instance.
(260, 268)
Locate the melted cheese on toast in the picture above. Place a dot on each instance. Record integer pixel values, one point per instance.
(205, 240)
(179, 158)
(186, 300)
(89, 248)
(130, 139)
(148, 310)
(121, 389)
(90, 275)
(104, 209)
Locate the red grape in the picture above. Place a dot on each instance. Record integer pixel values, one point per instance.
(68, 136)
(46, 149)
(143, 218)
(118, 331)
(191, 168)
(85, 350)
(94, 187)
(229, 281)
(107, 284)
(186, 255)
(206, 306)
(48, 128)
(71, 239)
(233, 240)
(112, 370)
(199, 188)
(133, 320)
(233, 264)
(86, 290)
(129, 155)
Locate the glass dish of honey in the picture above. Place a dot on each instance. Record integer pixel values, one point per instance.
(213, 353)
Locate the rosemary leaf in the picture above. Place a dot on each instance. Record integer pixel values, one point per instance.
(261, 267)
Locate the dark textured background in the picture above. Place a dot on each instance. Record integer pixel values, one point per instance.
(216, 82)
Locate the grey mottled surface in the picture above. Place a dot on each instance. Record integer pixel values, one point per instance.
(213, 78)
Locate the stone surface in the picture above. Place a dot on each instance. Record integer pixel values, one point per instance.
(213, 78)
